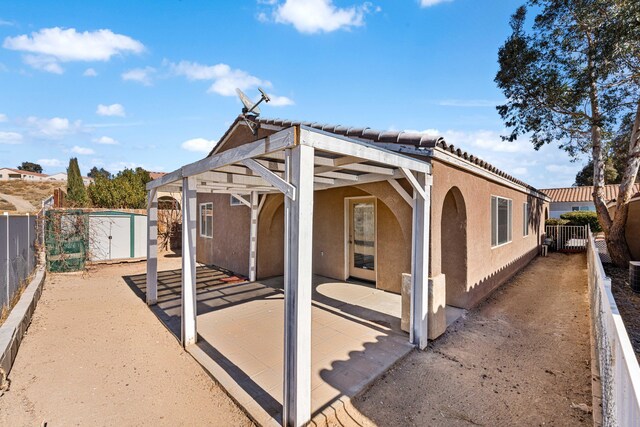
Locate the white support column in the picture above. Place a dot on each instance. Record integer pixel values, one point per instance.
(189, 210)
(420, 261)
(152, 247)
(297, 287)
(253, 233)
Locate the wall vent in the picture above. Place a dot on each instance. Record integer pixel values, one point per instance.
(634, 276)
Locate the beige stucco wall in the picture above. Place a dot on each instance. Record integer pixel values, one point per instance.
(486, 267)
(632, 231)
(229, 247)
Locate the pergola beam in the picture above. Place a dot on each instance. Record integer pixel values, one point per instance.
(188, 316)
(297, 288)
(420, 262)
(152, 248)
(253, 237)
(273, 179)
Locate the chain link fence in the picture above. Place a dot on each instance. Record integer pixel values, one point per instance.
(18, 235)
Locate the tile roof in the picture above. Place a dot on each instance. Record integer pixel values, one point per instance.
(156, 175)
(584, 194)
(396, 137)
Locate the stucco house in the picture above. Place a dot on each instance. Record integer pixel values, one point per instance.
(580, 198)
(62, 176)
(281, 197)
(8, 174)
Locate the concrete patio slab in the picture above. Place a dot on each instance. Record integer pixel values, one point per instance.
(355, 337)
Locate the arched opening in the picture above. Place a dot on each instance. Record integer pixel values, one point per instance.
(453, 237)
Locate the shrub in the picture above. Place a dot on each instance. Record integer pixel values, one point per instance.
(589, 218)
(556, 221)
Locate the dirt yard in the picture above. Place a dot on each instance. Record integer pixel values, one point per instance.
(95, 355)
(521, 358)
(33, 192)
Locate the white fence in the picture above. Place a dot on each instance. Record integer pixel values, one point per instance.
(17, 254)
(568, 238)
(619, 369)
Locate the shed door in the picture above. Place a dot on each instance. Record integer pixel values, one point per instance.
(120, 236)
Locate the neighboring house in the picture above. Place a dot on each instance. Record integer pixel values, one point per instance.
(8, 174)
(571, 199)
(61, 176)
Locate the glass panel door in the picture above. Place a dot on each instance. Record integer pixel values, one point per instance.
(362, 239)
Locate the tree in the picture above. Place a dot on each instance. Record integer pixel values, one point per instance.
(573, 78)
(126, 190)
(585, 176)
(76, 192)
(94, 172)
(30, 167)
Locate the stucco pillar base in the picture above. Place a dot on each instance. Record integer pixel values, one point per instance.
(437, 318)
(405, 322)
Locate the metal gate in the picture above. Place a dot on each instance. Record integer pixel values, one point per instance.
(567, 238)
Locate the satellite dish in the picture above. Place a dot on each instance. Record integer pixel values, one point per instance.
(251, 108)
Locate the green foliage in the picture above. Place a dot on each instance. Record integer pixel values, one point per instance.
(589, 218)
(126, 190)
(30, 167)
(556, 221)
(94, 172)
(76, 193)
(585, 176)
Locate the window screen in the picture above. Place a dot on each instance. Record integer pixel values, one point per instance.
(500, 220)
(206, 219)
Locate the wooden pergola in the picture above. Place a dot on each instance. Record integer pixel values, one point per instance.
(296, 162)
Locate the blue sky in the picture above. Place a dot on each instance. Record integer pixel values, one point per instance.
(123, 84)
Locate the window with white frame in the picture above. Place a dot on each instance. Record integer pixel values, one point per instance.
(500, 220)
(206, 219)
(525, 219)
(234, 201)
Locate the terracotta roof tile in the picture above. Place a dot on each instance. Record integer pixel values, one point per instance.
(584, 194)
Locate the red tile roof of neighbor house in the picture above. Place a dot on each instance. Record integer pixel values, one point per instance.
(372, 135)
(156, 175)
(584, 194)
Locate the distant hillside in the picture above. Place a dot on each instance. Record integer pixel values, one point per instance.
(33, 192)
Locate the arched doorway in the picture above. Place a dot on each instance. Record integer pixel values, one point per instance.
(453, 241)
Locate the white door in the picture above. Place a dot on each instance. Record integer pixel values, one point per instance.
(109, 237)
(362, 238)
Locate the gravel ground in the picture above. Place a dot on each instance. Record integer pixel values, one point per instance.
(628, 303)
(521, 358)
(95, 355)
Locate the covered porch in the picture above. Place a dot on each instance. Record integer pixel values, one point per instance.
(295, 162)
(355, 336)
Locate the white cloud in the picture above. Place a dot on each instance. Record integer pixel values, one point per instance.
(110, 110)
(4, 23)
(486, 140)
(43, 63)
(10, 138)
(82, 150)
(427, 3)
(52, 163)
(225, 79)
(54, 128)
(140, 75)
(199, 145)
(90, 72)
(3, 118)
(280, 101)
(469, 103)
(50, 46)
(315, 16)
(106, 140)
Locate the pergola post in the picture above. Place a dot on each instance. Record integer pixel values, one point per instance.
(188, 318)
(152, 247)
(420, 260)
(297, 287)
(253, 233)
